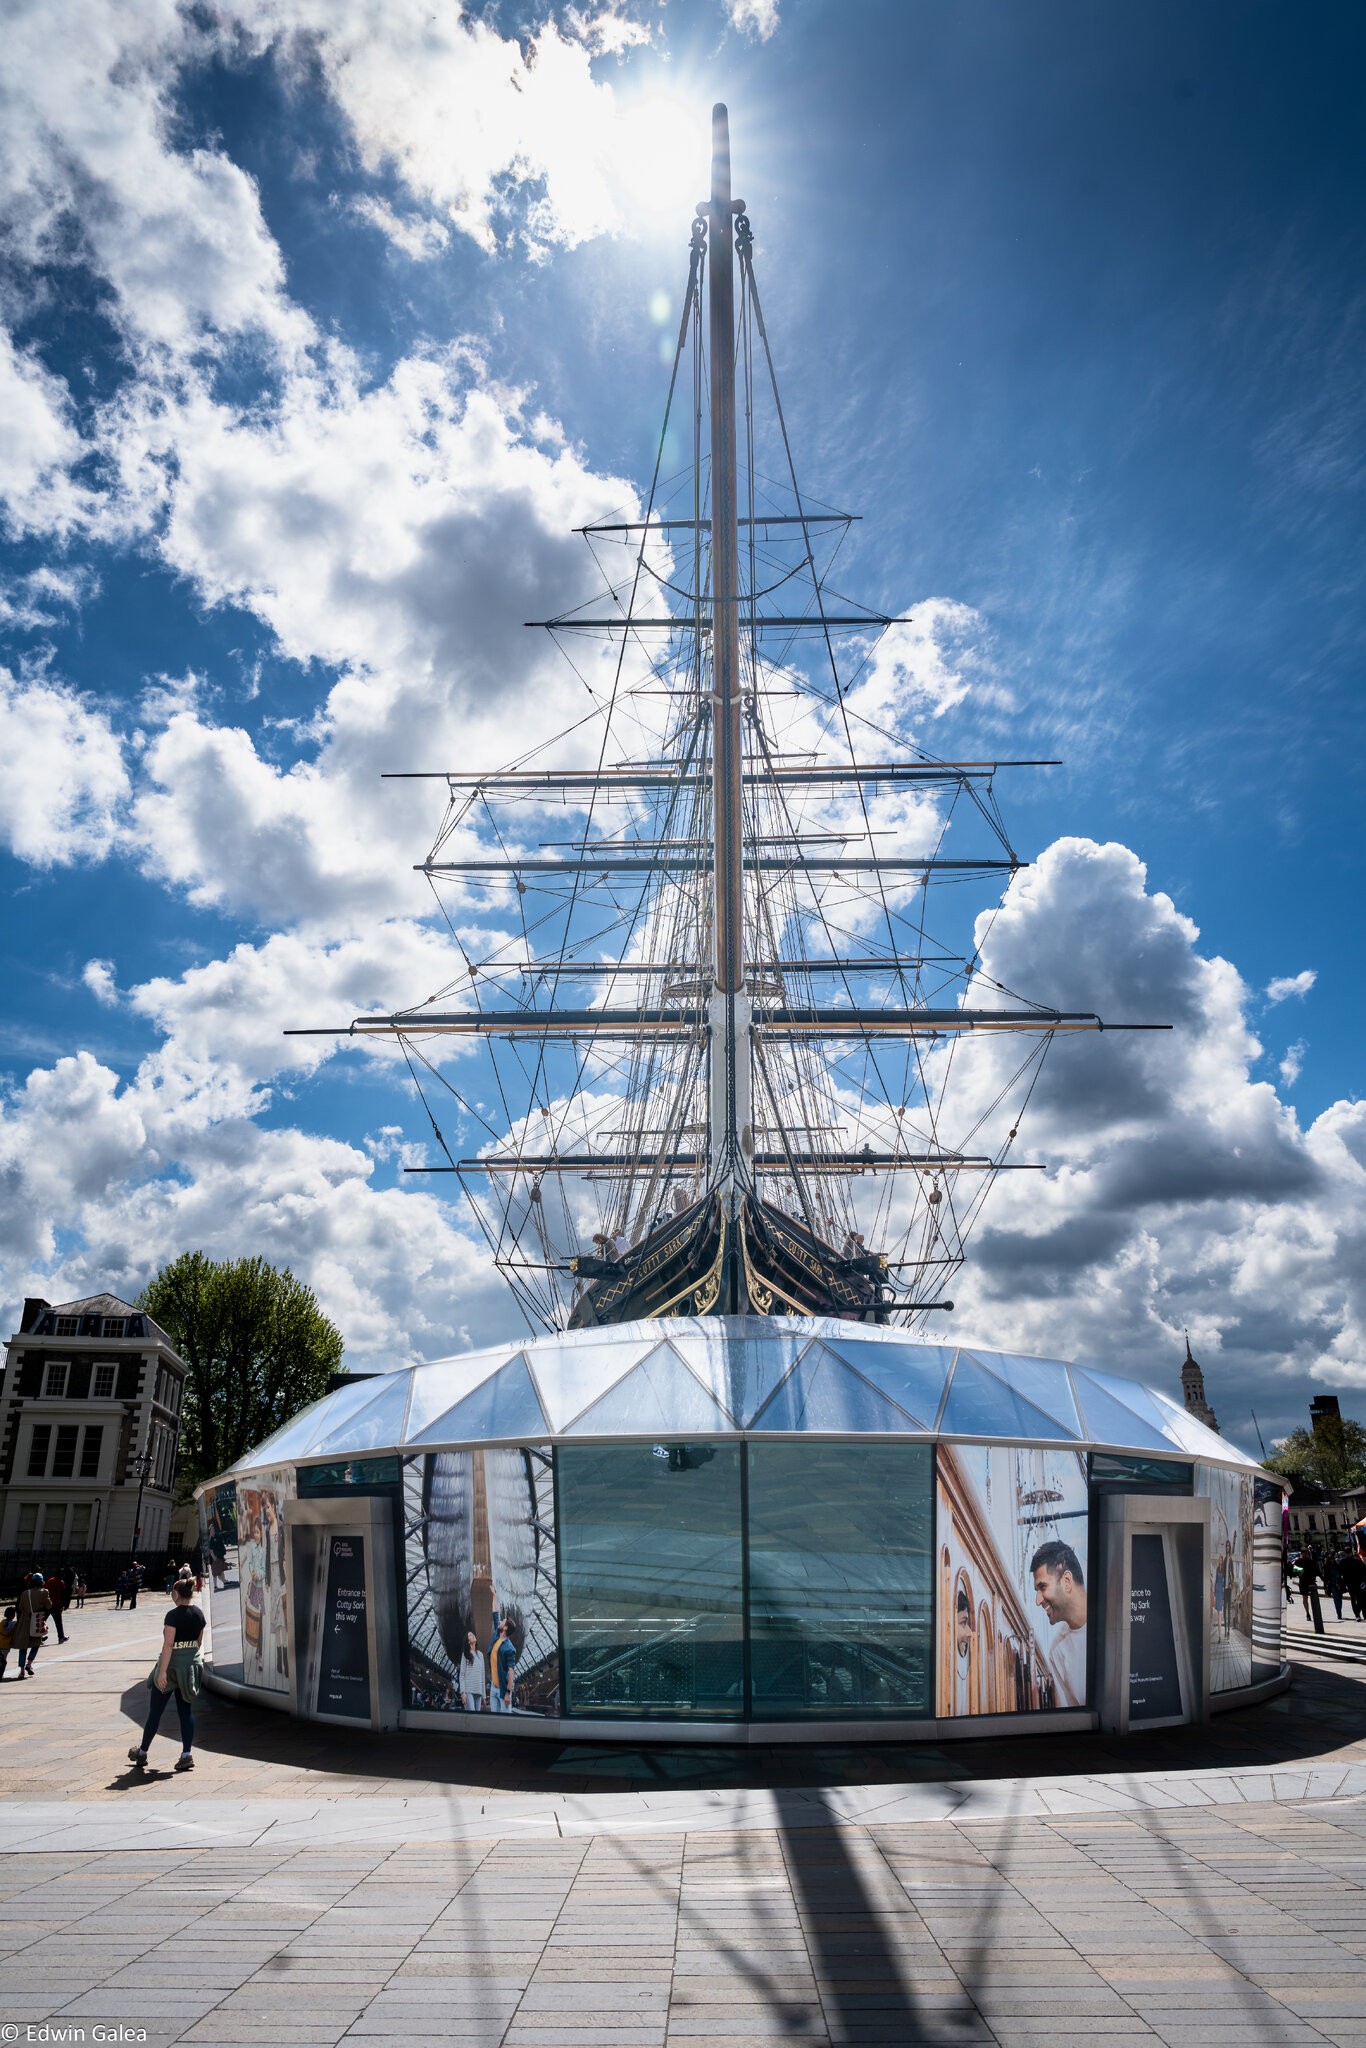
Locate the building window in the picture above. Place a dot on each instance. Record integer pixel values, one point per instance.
(54, 1385)
(650, 1578)
(64, 1458)
(90, 1450)
(114, 1325)
(27, 1527)
(66, 1326)
(52, 1526)
(79, 1539)
(38, 1446)
(103, 1389)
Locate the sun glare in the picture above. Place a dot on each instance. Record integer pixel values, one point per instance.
(661, 168)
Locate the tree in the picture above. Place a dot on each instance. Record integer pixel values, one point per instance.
(258, 1349)
(1333, 1453)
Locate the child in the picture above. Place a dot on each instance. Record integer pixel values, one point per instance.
(6, 1636)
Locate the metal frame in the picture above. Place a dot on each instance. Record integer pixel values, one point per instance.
(369, 1518)
(1183, 1524)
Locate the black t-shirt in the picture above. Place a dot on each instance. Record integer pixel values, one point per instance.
(188, 1623)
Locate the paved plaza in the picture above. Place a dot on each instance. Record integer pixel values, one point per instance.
(306, 1885)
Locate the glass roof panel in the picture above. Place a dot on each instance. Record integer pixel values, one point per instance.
(912, 1375)
(1043, 1381)
(1109, 1422)
(379, 1423)
(437, 1387)
(571, 1376)
(1127, 1391)
(822, 1394)
(503, 1405)
(302, 1431)
(740, 1368)
(981, 1405)
(1193, 1435)
(661, 1395)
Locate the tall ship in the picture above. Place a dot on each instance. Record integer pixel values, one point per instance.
(721, 939)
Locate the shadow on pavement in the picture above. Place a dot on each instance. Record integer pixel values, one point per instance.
(1324, 1711)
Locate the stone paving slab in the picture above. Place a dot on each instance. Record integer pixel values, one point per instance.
(275, 1900)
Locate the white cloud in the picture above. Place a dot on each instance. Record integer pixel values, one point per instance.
(39, 443)
(89, 171)
(1293, 1063)
(925, 666)
(1290, 985)
(98, 977)
(418, 238)
(758, 18)
(64, 782)
(1181, 1189)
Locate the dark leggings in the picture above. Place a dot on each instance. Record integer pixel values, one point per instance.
(157, 1707)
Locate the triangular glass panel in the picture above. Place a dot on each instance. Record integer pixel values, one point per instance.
(378, 1424)
(504, 1405)
(1190, 1434)
(981, 1405)
(571, 1376)
(303, 1430)
(821, 1394)
(912, 1375)
(1043, 1381)
(437, 1387)
(660, 1396)
(1109, 1422)
(741, 1367)
(1129, 1392)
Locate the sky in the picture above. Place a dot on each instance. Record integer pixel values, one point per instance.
(323, 327)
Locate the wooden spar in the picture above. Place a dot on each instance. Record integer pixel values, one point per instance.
(726, 747)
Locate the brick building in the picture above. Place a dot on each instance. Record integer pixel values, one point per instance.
(90, 1408)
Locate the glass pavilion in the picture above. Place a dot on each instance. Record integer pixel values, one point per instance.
(742, 1529)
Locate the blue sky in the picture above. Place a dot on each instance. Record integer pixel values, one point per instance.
(323, 329)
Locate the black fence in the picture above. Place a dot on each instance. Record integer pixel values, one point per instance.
(99, 1568)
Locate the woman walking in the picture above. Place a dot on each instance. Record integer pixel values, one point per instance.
(178, 1670)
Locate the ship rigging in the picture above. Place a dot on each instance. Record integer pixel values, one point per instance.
(723, 1021)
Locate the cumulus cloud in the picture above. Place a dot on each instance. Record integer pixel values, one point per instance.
(98, 977)
(90, 173)
(39, 443)
(1293, 1063)
(1181, 1189)
(1290, 985)
(757, 18)
(65, 782)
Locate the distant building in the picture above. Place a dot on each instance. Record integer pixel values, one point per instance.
(1324, 1408)
(90, 1405)
(1193, 1388)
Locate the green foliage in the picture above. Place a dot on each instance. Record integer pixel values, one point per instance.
(1334, 1454)
(258, 1349)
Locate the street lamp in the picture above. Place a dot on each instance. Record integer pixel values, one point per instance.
(142, 1464)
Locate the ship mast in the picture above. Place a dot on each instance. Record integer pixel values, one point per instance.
(728, 1011)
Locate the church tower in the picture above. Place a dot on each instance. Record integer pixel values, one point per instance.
(1193, 1388)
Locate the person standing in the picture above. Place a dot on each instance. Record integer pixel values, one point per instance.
(35, 1603)
(79, 1589)
(472, 1690)
(1354, 1578)
(1306, 1571)
(502, 1658)
(179, 1670)
(134, 1582)
(56, 1593)
(9, 1634)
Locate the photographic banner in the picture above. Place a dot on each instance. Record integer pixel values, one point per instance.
(218, 1542)
(483, 1628)
(1229, 1593)
(261, 1575)
(1267, 1607)
(1011, 1551)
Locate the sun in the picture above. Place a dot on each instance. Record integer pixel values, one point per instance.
(660, 149)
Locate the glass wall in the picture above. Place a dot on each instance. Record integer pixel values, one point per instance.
(261, 1501)
(218, 1541)
(479, 1567)
(1230, 1575)
(651, 1579)
(1013, 1602)
(839, 1579)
